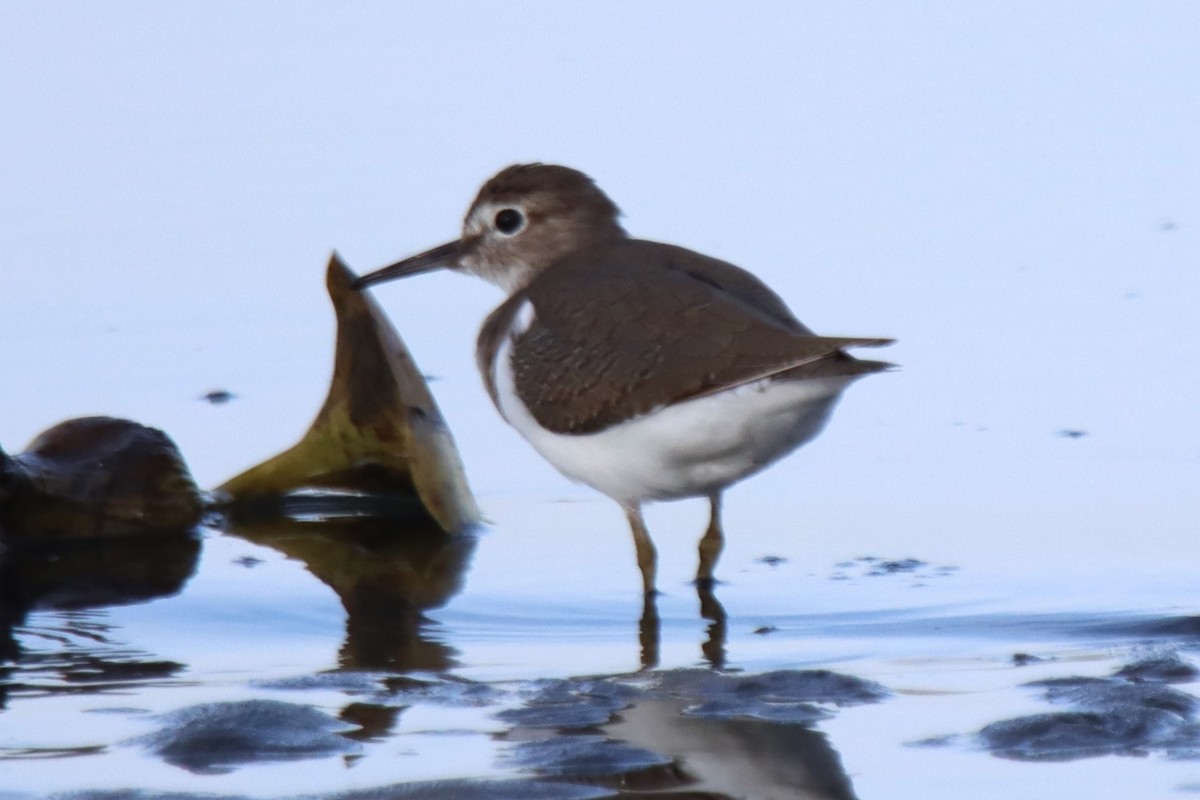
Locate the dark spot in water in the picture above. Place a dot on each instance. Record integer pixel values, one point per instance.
(248, 562)
(937, 741)
(763, 630)
(217, 737)
(874, 567)
(895, 567)
(218, 396)
(1072, 433)
(1167, 226)
(1023, 659)
(773, 561)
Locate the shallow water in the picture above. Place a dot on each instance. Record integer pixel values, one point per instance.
(427, 661)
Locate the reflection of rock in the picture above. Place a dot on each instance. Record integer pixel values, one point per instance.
(47, 574)
(97, 476)
(387, 570)
(54, 574)
(379, 430)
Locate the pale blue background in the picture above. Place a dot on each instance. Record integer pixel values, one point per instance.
(1010, 189)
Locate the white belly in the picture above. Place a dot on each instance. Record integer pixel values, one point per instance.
(685, 450)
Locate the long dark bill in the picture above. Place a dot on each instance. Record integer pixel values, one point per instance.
(445, 255)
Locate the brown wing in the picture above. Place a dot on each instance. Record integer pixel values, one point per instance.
(609, 344)
(732, 280)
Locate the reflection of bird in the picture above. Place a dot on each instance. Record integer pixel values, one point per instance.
(644, 370)
(745, 758)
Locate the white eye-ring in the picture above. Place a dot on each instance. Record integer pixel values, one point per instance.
(509, 221)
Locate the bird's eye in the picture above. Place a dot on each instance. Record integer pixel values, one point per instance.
(509, 221)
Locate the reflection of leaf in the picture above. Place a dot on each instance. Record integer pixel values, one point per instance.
(386, 570)
(44, 573)
(379, 430)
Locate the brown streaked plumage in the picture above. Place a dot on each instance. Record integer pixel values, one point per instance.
(643, 369)
(581, 373)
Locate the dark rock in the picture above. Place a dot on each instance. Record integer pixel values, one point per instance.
(1132, 714)
(216, 737)
(98, 477)
(562, 716)
(741, 708)
(783, 696)
(567, 704)
(1168, 668)
(781, 686)
(1070, 735)
(582, 756)
(1115, 696)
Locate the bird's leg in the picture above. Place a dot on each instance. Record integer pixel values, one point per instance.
(711, 544)
(647, 558)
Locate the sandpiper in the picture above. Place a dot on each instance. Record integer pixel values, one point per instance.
(644, 370)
